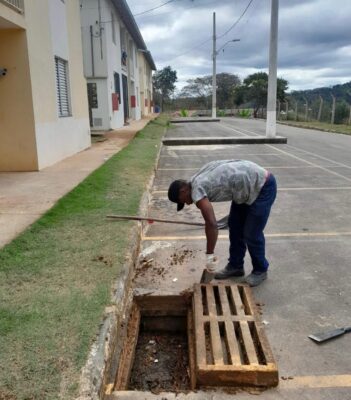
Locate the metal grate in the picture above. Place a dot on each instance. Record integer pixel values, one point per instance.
(230, 345)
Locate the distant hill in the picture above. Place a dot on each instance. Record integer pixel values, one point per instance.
(342, 95)
(341, 92)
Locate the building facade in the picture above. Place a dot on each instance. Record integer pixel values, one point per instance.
(114, 52)
(43, 97)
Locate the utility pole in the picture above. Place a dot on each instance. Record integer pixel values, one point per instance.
(214, 82)
(333, 110)
(320, 108)
(272, 78)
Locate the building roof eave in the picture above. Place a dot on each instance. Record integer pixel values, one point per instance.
(129, 21)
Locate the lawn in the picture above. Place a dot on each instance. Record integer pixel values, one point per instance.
(56, 277)
(344, 129)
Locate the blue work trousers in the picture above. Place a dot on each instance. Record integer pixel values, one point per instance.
(246, 224)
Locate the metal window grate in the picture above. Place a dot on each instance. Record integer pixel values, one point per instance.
(62, 87)
(230, 344)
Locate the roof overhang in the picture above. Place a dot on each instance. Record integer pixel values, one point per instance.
(129, 21)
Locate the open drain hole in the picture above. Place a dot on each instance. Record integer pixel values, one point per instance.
(155, 353)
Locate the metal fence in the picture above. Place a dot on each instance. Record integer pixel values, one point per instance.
(17, 5)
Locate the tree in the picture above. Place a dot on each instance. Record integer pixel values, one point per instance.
(256, 87)
(226, 84)
(201, 89)
(198, 88)
(163, 82)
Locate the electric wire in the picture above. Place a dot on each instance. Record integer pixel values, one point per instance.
(154, 8)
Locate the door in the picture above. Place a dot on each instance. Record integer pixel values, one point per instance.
(125, 97)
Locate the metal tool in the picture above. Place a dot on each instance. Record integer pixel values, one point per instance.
(222, 223)
(324, 336)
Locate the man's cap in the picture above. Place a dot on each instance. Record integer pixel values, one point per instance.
(173, 193)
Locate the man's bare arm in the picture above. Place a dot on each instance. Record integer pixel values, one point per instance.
(211, 229)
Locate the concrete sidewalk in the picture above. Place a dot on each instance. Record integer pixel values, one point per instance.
(25, 196)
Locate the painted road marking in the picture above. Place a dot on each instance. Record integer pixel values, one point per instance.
(284, 189)
(268, 235)
(313, 382)
(310, 163)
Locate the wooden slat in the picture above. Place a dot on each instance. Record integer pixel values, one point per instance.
(248, 342)
(191, 346)
(237, 300)
(232, 344)
(224, 301)
(200, 344)
(249, 303)
(216, 344)
(211, 303)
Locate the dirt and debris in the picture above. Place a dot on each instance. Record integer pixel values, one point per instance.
(149, 266)
(161, 363)
(180, 256)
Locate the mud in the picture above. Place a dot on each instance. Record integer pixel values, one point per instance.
(161, 363)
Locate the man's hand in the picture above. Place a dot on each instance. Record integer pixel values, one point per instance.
(211, 263)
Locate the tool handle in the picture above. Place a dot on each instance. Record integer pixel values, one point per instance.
(169, 221)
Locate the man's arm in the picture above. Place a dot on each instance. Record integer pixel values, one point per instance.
(211, 229)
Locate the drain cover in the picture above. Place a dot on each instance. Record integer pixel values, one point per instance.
(231, 347)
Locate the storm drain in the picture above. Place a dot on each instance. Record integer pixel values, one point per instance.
(230, 344)
(210, 337)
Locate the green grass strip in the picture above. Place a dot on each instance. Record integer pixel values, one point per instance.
(322, 126)
(56, 277)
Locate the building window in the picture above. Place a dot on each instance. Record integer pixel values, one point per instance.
(113, 28)
(117, 86)
(62, 87)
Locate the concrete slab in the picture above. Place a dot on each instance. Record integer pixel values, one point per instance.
(193, 120)
(172, 141)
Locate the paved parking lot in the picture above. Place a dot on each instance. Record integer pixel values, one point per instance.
(308, 245)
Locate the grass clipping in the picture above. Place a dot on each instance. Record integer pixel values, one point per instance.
(56, 277)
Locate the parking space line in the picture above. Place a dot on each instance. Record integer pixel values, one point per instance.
(232, 129)
(285, 189)
(310, 163)
(321, 157)
(268, 235)
(315, 381)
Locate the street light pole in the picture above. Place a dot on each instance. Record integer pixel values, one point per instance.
(214, 82)
(272, 78)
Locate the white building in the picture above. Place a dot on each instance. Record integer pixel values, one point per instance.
(114, 54)
(43, 99)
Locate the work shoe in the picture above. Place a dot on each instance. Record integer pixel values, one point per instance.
(228, 272)
(255, 278)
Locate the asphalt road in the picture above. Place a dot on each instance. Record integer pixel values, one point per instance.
(308, 245)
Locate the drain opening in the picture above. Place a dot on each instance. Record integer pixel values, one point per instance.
(156, 351)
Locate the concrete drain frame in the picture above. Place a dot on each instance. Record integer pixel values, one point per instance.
(227, 345)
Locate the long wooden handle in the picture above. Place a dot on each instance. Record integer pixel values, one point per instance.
(151, 219)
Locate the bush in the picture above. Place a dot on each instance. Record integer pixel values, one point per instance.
(183, 112)
(244, 113)
(221, 113)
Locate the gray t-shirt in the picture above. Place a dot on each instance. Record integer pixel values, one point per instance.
(228, 180)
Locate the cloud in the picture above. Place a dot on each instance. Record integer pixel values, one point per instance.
(313, 49)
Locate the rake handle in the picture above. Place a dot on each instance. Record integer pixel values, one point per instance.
(151, 219)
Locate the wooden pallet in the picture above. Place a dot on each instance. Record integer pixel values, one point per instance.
(231, 347)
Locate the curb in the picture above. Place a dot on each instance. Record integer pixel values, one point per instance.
(103, 359)
(181, 121)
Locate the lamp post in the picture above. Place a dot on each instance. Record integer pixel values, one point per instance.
(214, 56)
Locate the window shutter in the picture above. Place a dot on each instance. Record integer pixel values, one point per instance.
(62, 87)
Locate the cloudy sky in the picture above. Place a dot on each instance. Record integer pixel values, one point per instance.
(314, 47)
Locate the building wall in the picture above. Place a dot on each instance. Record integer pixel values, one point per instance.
(32, 133)
(102, 59)
(17, 130)
(57, 35)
